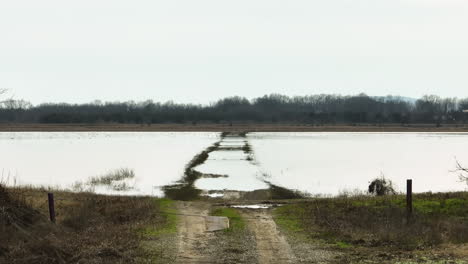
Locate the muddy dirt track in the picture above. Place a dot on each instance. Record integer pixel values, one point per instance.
(269, 246)
(193, 238)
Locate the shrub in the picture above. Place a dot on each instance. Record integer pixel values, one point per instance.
(381, 186)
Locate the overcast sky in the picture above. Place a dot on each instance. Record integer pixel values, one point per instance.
(201, 50)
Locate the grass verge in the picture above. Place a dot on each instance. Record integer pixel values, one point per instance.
(90, 228)
(167, 219)
(159, 238)
(376, 228)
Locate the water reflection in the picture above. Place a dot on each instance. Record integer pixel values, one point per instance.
(232, 161)
(61, 159)
(318, 163)
(328, 163)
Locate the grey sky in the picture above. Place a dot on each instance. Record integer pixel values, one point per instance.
(199, 51)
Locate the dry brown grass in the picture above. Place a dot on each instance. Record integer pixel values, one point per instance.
(382, 221)
(90, 228)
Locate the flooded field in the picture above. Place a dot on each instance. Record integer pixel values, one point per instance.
(62, 159)
(233, 160)
(317, 163)
(329, 163)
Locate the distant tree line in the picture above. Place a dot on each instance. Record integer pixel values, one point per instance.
(314, 109)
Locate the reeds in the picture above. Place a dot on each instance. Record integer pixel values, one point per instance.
(116, 180)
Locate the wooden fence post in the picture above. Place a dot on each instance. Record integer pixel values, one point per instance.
(51, 207)
(409, 199)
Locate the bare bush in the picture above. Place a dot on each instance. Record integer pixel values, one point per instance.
(381, 186)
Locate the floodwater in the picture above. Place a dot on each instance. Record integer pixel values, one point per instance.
(242, 174)
(61, 159)
(318, 163)
(330, 163)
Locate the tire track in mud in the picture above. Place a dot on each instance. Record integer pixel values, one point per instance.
(193, 238)
(272, 247)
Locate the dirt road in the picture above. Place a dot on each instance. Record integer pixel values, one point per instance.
(272, 247)
(265, 245)
(193, 245)
(196, 244)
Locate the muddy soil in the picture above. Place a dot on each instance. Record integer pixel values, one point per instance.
(262, 242)
(272, 247)
(197, 245)
(235, 247)
(193, 238)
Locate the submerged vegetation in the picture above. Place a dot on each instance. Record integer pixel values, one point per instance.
(185, 189)
(247, 148)
(116, 180)
(113, 176)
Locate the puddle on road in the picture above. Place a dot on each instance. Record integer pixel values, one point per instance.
(242, 176)
(256, 206)
(214, 195)
(225, 155)
(237, 143)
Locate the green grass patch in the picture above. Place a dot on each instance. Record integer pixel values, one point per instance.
(236, 222)
(450, 206)
(282, 216)
(170, 213)
(166, 222)
(342, 244)
(375, 221)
